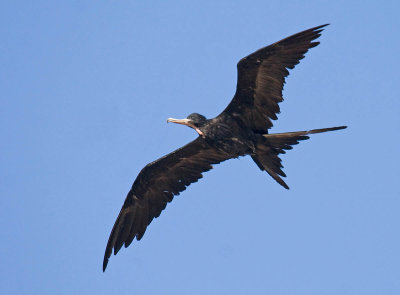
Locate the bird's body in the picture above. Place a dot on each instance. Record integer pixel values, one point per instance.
(226, 134)
(241, 129)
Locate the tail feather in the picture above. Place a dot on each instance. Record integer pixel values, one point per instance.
(268, 150)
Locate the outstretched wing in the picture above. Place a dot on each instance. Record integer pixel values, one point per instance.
(261, 77)
(156, 185)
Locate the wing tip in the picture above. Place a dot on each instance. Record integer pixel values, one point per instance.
(327, 129)
(280, 181)
(321, 26)
(318, 29)
(315, 31)
(339, 128)
(105, 262)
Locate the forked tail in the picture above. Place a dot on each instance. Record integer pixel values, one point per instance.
(271, 145)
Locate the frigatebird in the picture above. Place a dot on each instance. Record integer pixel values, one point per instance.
(241, 129)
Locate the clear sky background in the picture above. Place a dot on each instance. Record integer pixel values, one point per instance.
(85, 89)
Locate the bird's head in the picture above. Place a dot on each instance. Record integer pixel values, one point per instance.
(195, 121)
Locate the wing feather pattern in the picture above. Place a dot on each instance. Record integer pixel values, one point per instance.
(155, 186)
(261, 77)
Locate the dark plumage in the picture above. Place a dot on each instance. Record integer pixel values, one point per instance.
(241, 129)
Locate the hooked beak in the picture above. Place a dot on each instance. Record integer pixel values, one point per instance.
(186, 122)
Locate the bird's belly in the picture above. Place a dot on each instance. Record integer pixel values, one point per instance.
(230, 139)
(234, 146)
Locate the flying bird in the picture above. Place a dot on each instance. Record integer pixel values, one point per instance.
(241, 129)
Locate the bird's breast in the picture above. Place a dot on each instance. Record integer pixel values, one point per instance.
(229, 139)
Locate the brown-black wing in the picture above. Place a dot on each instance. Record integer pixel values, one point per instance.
(261, 77)
(156, 185)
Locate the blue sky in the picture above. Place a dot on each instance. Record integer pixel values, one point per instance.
(85, 90)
